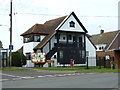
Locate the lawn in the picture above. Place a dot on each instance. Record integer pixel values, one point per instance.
(76, 69)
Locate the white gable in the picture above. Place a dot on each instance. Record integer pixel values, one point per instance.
(65, 25)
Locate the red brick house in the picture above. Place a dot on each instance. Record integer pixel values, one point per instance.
(108, 46)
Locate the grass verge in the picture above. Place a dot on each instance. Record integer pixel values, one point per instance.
(78, 69)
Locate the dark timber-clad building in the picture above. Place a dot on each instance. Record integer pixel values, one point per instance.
(62, 39)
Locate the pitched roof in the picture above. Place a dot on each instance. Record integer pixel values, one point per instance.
(53, 25)
(104, 38)
(48, 28)
(76, 20)
(45, 28)
(44, 41)
(37, 29)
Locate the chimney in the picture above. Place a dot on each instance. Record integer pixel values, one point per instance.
(101, 31)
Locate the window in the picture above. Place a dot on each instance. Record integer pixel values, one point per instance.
(83, 54)
(61, 54)
(72, 24)
(37, 38)
(55, 56)
(99, 48)
(25, 40)
(63, 38)
(107, 57)
(69, 37)
(28, 56)
(87, 53)
(28, 39)
(102, 47)
(80, 39)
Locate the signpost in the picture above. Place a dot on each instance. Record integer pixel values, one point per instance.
(10, 47)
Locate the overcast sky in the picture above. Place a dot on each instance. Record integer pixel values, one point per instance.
(94, 14)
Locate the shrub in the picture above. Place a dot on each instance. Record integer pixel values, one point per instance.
(18, 59)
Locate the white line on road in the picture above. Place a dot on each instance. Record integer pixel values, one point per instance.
(27, 77)
(3, 80)
(49, 76)
(41, 76)
(9, 75)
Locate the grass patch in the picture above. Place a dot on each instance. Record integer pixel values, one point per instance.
(16, 68)
(78, 69)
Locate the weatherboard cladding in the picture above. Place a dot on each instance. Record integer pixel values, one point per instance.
(104, 38)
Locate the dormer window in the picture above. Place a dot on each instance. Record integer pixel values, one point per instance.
(72, 24)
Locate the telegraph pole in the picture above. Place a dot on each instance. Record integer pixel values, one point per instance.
(10, 46)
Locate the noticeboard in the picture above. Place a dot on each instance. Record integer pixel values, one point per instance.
(38, 58)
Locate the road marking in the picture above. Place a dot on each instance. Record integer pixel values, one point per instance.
(16, 78)
(49, 76)
(60, 75)
(27, 77)
(3, 80)
(9, 75)
(30, 77)
(40, 76)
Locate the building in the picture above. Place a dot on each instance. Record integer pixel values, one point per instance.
(62, 39)
(3, 56)
(108, 46)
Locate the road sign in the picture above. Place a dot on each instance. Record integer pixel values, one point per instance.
(10, 47)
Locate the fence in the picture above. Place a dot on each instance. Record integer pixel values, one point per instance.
(101, 62)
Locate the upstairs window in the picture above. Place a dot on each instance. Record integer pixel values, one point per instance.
(37, 38)
(72, 24)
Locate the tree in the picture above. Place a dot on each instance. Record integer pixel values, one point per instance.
(1, 46)
(18, 59)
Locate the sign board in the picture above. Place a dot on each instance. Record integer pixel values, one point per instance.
(38, 58)
(10, 47)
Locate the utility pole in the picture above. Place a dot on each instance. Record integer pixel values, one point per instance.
(10, 46)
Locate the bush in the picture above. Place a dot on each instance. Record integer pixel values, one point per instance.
(18, 59)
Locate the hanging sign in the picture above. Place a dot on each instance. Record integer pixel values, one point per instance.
(38, 58)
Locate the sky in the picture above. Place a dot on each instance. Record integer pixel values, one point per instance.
(94, 15)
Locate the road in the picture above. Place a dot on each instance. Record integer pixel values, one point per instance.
(73, 80)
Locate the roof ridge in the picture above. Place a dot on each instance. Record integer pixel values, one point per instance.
(55, 19)
(34, 27)
(106, 32)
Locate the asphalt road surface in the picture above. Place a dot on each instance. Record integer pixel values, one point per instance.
(65, 80)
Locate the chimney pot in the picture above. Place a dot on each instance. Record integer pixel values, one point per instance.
(101, 31)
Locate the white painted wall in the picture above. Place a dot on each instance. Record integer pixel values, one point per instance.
(100, 45)
(92, 53)
(65, 26)
(28, 47)
(55, 60)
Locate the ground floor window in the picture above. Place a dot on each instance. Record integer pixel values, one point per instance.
(28, 56)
